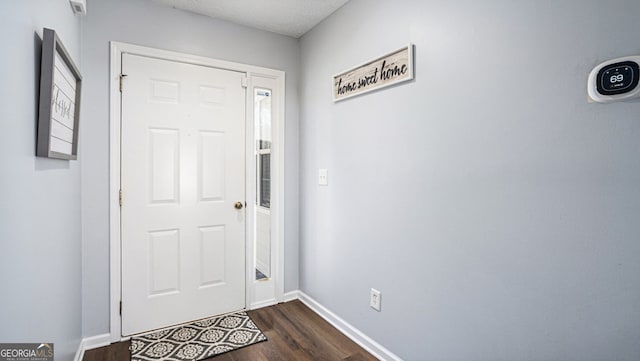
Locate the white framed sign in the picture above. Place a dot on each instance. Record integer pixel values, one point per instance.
(392, 68)
(59, 109)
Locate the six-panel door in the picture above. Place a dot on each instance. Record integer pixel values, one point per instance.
(183, 246)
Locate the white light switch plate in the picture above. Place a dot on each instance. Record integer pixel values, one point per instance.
(323, 177)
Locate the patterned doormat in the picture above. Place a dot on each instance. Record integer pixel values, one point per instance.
(198, 340)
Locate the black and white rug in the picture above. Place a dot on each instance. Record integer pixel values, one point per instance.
(198, 340)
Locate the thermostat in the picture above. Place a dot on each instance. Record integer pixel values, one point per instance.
(615, 80)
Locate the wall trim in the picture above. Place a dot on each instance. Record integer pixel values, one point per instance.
(347, 329)
(291, 296)
(89, 343)
(261, 304)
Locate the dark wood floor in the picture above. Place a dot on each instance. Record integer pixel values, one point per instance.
(294, 332)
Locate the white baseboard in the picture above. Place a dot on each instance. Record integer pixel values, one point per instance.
(290, 296)
(261, 304)
(351, 332)
(89, 343)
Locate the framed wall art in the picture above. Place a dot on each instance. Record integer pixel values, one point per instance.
(59, 108)
(392, 68)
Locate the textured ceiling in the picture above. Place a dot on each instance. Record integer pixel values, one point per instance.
(287, 17)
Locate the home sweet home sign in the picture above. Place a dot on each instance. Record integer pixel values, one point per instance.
(390, 69)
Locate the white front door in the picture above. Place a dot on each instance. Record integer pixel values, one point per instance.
(182, 173)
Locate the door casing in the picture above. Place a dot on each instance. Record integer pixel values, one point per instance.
(254, 74)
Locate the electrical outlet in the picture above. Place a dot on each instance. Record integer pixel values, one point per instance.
(376, 300)
(323, 177)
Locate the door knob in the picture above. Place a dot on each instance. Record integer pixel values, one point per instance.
(238, 205)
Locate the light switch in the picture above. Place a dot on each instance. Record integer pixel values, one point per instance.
(323, 177)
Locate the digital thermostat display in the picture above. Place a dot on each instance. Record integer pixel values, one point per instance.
(615, 80)
(618, 78)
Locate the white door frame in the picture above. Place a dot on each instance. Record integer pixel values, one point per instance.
(277, 195)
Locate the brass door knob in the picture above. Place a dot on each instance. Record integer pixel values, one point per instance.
(238, 205)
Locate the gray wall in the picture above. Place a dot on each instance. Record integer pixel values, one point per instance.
(40, 207)
(145, 23)
(495, 209)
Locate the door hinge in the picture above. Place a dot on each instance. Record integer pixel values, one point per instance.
(120, 198)
(120, 308)
(121, 77)
(244, 82)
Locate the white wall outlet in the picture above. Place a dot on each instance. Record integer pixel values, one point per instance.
(376, 299)
(323, 177)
